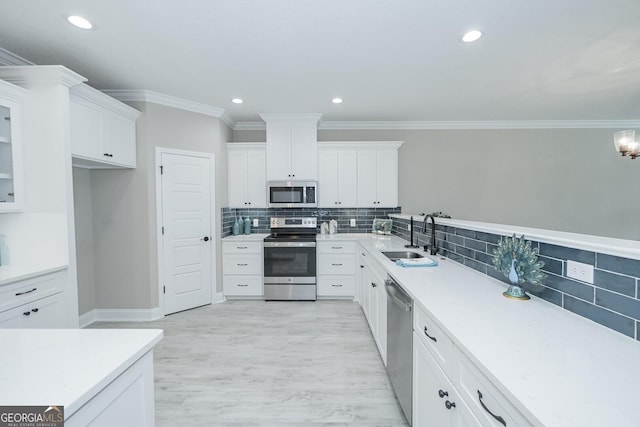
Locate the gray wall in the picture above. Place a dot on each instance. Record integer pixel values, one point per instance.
(558, 179)
(124, 206)
(83, 209)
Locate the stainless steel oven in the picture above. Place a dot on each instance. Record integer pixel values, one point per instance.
(290, 259)
(292, 194)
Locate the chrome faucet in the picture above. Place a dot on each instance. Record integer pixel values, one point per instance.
(434, 249)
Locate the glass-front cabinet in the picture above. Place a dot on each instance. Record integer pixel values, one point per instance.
(11, 192)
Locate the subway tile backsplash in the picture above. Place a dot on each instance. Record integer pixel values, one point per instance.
(612, 300)
(364, 217)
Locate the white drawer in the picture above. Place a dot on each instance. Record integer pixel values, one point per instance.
(435, 339)
(242, 285)
(25, 291)
(336, 264)
(242, 264)
(241, 247)
(472, 384)
(336, 247)
(336, 286)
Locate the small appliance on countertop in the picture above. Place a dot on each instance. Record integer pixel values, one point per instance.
(290, 259)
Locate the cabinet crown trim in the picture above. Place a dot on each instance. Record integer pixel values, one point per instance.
(28, 75)
(11, 91)
(246, 145)
(359, 144)
(97, 97)
(290, 117)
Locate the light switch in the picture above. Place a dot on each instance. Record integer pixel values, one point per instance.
(255, 222)
(352, 223)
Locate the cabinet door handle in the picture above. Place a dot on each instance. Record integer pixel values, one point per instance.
(336, 265)
(336, 247)
(242, 265)
(373, 285)
(497, 417)
(26, 292)
(450, 405)
(442, 393)
(242, 286)
(361, 266)
(35, 310)
(108, 154)
(241, 247)
(27, 313)
(337, 286)
(429, 336)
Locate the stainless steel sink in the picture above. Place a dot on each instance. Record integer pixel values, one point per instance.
(396, 255)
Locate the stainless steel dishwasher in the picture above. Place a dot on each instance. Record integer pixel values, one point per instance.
(400, 343)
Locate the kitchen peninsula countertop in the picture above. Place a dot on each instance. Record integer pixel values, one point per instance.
(66, 366)
(557, 368)
(13, 273)
(257, 237)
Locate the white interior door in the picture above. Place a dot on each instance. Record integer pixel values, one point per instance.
(187, 239)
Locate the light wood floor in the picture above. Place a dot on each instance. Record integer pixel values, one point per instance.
(262, 363)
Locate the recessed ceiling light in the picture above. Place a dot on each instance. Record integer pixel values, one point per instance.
(237, 101)
(471, 36)
(337, 100)
(80, 22)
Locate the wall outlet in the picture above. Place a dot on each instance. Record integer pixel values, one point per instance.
(408, 227)
(580, 271)
(352, 222)
(255, 222)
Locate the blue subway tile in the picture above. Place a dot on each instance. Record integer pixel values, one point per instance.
(626, 266)
(497, 275)
(618, 303)
(570, 287)
(544, 292)
(551, 265)
(485, 258)
(454, 256)
(465, 233)
(464, 251)
(615, 282)
(482, 268)
(607, 318)
(475, 245)
(491, 248)
(455, 239)
(487, 237)
(562, 252)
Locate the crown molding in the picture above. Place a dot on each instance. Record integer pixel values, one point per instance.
(167, 100)
(358, 144)
(29, 75)
(250, 126)
(95, 96)
(10, 58)
(489, 124)
(11, 91)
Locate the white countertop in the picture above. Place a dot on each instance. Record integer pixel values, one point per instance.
(14, 273)
(557, 368)
(257, 237)
(66, 366)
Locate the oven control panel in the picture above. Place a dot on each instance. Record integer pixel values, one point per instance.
(283, 222)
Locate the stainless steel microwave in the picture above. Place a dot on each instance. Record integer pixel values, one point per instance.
(292, 194)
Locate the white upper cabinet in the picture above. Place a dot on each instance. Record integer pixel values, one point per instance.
(378, 176)
(11, 191)
(103, 130)
(246, 167)
(292, 146)
(337, 177)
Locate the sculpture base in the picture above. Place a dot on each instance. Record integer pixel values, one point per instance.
(516, 292)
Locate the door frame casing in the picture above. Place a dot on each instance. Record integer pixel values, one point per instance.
(159, 219)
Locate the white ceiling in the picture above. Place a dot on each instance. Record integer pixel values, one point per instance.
(391, 60)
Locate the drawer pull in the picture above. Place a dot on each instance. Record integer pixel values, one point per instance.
(429, 336)
(336, 265)
(242, 265)
(26, 292)
(373, 285)
(108, 154)
(242, 286)
(361, 266)
(450, 405)
(35, 310)
(336, 247)
(442, 393)
(241, 247)
(497, 417)
(337, 286)
(27, 313)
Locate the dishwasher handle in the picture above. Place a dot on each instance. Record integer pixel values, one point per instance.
(396, 295)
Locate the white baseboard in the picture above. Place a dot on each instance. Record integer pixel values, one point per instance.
(120, 315)
(218, 298)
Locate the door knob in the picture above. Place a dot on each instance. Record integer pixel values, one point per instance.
(205, 238)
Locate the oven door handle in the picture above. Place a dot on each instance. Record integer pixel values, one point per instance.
(289, 244)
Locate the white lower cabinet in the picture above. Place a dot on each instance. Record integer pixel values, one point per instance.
(336, 262)
(40, 314)
(242, 269)
(374, 300)
(436, 402)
